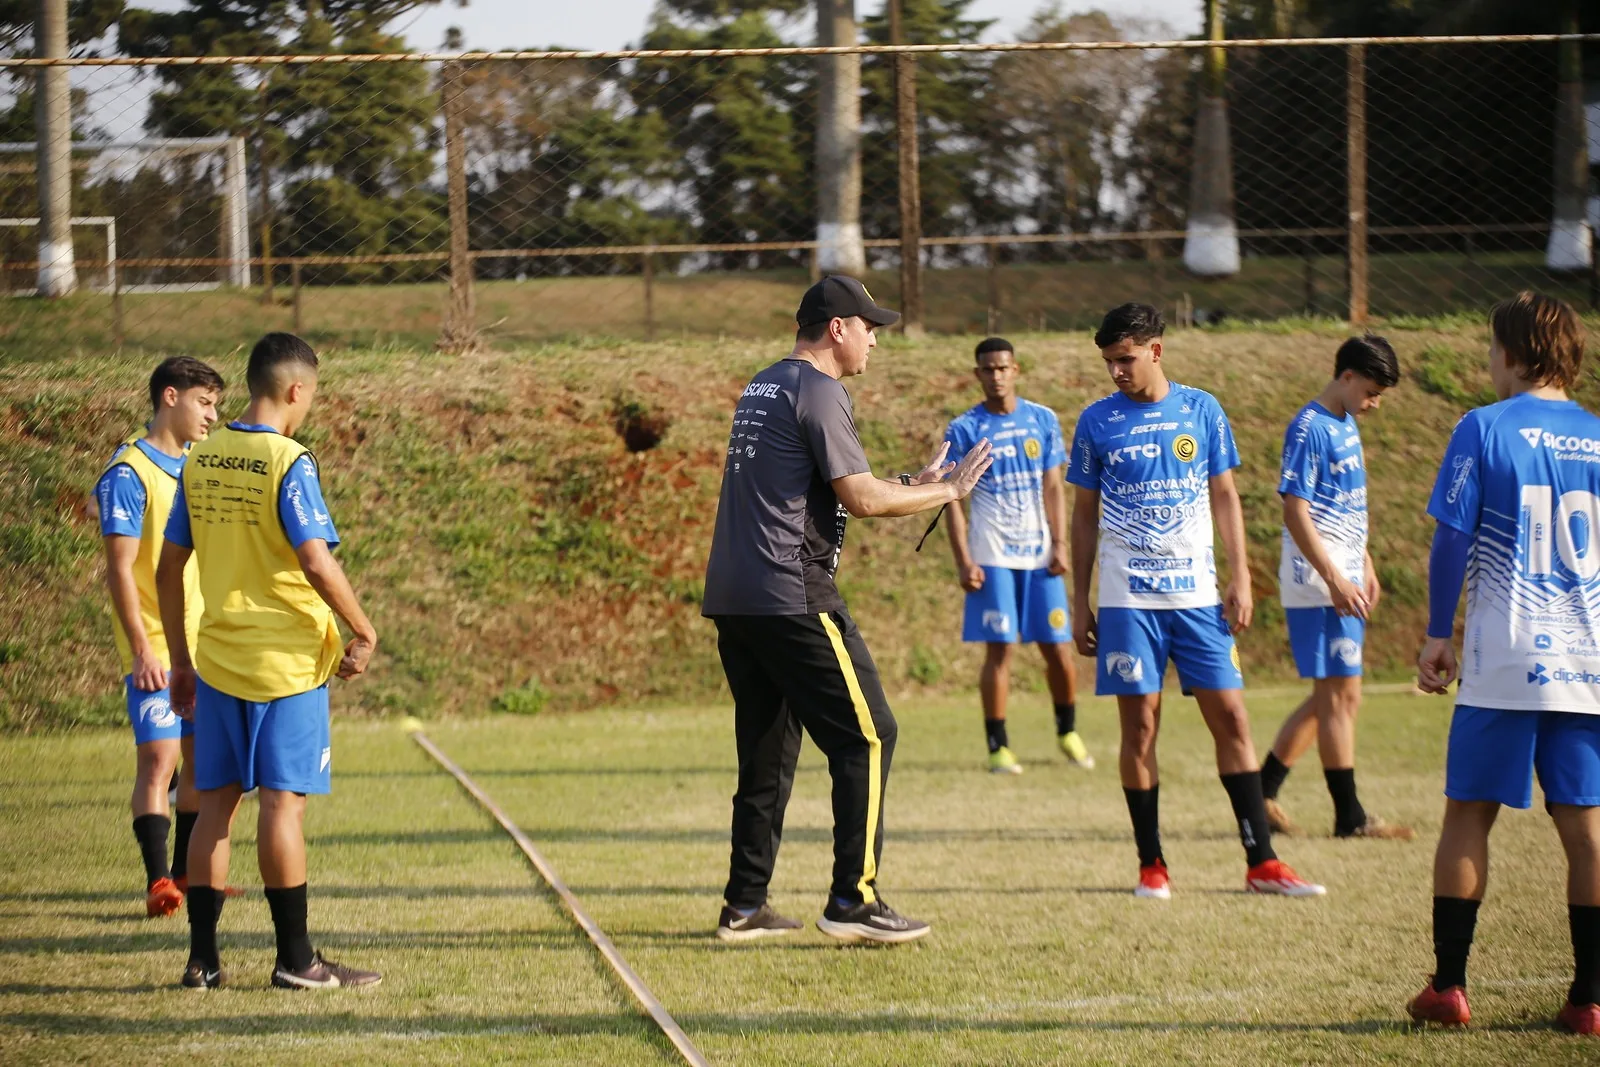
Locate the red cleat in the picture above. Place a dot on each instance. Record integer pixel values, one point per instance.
(1580, 1018)
(1448, 1008)
(1153, 882)
(164, 898)
(1276, 877)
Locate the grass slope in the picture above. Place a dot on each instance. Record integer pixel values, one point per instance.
(1040, 953)
(514, 555)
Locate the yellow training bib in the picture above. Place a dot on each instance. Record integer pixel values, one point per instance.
(159, 489)
(266, 633)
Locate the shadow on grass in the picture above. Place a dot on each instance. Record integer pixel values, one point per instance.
(719, 835)
(349, 1024)
(317, 891)
(177, 939)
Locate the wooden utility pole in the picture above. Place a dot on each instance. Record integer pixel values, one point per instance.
(905, 116)
(460, 332)
(838, 147)
(1211, 237)
(1356, 180)
(58, 273)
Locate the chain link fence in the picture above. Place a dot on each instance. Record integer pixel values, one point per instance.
(415, 200)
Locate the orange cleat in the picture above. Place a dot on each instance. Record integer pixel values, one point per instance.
(1448, 1008)
(1580, 1018)
(1276, 877)
(164, 898)
(1153, 882)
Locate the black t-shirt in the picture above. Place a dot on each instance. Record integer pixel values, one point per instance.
(780, 526)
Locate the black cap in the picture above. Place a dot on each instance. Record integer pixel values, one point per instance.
(839, 296)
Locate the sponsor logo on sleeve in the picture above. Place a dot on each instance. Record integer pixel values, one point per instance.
(1458, 481)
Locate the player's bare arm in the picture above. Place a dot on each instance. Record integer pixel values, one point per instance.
(1347, 598)
(867, 497)
(149, 673)
(968, 573)
(1228, 511)
(1370, 584)
(1055, 515)
(1085, 541)
(330, 582)
(169, 592)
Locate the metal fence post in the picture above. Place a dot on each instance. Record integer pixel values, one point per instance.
(995, 307)
(460, 333)
(265, 221)
(649, 296)
(905, 117)
(1356, 148)
(294, 281)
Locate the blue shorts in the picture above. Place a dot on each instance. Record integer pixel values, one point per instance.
(151, 715)
(1135, 644)
(281, 744)
(1325, 643)
(1494, 755)
(1030, 606)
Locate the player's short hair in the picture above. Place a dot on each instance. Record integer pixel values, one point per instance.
(272, 352)
(1139, 323)
(1371, 357)
(992, 344)
(1541, 335)
(182, 372)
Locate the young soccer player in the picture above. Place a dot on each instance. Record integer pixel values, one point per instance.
(1152, 462)
(1327, 581)
(250, 513)
(133, 498)
(1011, 559)
(1517, 504)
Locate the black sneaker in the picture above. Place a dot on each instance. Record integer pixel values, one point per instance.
(763, 922)
(199, 976)
(323, 974)
(870, 922)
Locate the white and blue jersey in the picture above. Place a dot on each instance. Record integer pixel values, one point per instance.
(1008, 527)
(1324, 466)
(1152, 465)
(1522, 479)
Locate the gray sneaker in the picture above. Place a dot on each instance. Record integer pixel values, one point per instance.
(763, 922)
(323, 974)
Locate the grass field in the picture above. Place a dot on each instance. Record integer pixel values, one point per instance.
(1040, 952)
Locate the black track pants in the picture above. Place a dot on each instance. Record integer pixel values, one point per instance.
(789, 672)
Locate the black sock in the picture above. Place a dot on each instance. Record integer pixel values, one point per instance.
(205, 908)
(1453, 921)
(180, 843)
(1250, 808)
(289, 923)
(995, 731)
(1066, 718)
(1273, 772)
(151, 832)
(1585, 920)
(1144, 809)
(1348, 814)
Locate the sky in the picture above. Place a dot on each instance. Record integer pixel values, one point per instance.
(602, 24)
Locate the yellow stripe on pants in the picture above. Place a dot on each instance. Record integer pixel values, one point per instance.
(869, 862)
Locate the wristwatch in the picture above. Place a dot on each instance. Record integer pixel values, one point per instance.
(905, 479)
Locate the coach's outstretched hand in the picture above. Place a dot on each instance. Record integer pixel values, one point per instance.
(937, 468)
(1436, 666)
(971, 468)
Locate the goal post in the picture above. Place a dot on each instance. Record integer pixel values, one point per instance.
(110, 224)
(125, 157)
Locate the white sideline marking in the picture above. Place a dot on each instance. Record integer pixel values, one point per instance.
(647, 1000)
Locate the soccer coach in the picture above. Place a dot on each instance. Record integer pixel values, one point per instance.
(794, 659)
